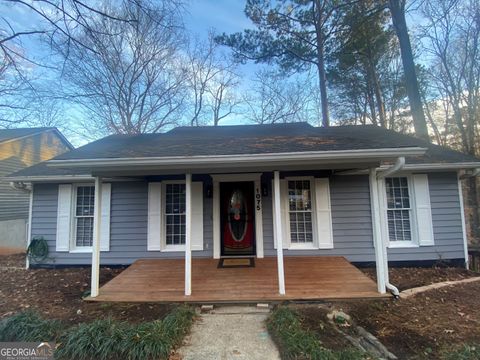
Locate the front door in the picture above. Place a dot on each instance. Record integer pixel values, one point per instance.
(237, 218)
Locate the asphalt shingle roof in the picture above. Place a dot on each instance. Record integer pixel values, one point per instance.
(230, 140)
(251, 139)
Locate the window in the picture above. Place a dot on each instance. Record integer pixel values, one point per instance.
(399, 210)
(175, 214)
(300, 211)
(83, 217)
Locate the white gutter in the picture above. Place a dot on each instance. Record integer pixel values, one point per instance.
(398, 166)
(46, 178)
(236, 159)
(439, 166)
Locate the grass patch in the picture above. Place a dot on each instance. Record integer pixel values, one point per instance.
(108, 339)
(29, 326)
(103, 339)
(296, 342)
(467, 352)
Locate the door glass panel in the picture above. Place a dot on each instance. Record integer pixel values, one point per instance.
(237, 215)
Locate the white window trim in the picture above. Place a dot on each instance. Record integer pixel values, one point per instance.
(74, 249)
(314, 244)
(413, 215)
(163, 240)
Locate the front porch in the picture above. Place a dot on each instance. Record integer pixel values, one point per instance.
(306, 278)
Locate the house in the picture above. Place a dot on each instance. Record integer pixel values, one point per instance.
(303, 202)
(21, 148)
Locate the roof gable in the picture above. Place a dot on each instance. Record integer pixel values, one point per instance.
(17, 134)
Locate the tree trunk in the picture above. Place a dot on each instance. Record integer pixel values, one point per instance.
(379, 98)
(371, 102)
(322, 78)
(374, 85)
(397, 10)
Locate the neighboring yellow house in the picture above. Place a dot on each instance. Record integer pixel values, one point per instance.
(21, 148)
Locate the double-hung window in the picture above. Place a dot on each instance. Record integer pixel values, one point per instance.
(300, 212)
(83, 216)
(175, 211)
(399, 210)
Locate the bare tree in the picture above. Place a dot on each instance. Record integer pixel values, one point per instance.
(223, 93)
(130, 82)
(58, 21)
(212, 83)
(52, 23)
(453, 39)
(12, 85)
(453, 36)
(274, 99)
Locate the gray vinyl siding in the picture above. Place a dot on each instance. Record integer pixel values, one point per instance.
(351, 220)
(447, 223)
(128, 226)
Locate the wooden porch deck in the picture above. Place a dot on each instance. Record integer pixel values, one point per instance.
(306, 278)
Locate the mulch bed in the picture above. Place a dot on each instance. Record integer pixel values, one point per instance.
(315, 319)
(12, 261)
(425, 325)
(57, 293)
(407, 278)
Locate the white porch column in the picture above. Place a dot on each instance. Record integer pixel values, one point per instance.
(97, 220)
(278, 232)
(381, 263)
(188, 234)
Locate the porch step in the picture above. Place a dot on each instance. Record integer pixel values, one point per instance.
(235, 309)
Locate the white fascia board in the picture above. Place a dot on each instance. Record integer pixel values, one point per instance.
(419, 167)
(229, 160)
(46, 178)
(438, 166)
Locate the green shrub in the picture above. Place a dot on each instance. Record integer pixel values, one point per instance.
(153, 340)
(108, 339)
(297, 343)
(467, 352)
(97, 340)
(29, 326)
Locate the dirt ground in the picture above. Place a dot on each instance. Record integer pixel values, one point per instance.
(426, 325)
(315, 319)
(57, 293)
(407, 278)
(422, 326)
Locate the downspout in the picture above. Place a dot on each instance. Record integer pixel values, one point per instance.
(474, 173)
(398, 166)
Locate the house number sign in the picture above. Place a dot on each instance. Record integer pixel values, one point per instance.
(258, 199)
